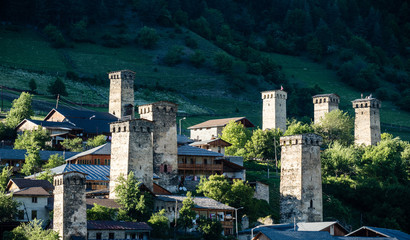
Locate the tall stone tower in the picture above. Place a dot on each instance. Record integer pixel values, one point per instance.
(70, 216)
(274, 109)
(131, 150)
(163, 114)
(122, 94)
(301, 179)
(367, 121)
(324, 103)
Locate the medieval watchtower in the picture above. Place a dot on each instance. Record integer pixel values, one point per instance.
(131, 150)
(301, 179)
(163, 114)
(274, 109)
(70, 218)
(367, 121)
(324, 103)
(121, 94)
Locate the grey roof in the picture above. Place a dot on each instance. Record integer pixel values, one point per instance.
(362, 238)
(46, 124)
(385, 231)
(315, 226)
(326, 95)
(18, 154)
(104, 149)
(22, 183)
(94, 172)
(187, 150)
(182, 139)
(118, 225)
(200, 202)
(290, 235)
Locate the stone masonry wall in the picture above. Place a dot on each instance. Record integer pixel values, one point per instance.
(367, 121)
(301, 183)
(274, 110)
(163, 114)
(203, 134)
(121, 101)
(323, 105)
(131, 150)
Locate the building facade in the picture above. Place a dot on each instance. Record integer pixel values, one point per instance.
(301, 179)
(324, 103)
(121, 102)
(367, 121)
(274, 109)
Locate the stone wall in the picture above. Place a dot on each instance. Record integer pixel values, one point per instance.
(121, 103)
(203, 134)
(324, 104)
(165, 151)
(367, 121)
(301, 182)
(131, 150)
(274, 110)
(261, 191)
(70, 217)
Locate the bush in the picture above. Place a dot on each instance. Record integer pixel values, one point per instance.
(197, 59)
(78, 31)
(57, 88)
(190, 42)
(173, 56)
(223, 62)
(147, 37)
(55, 36)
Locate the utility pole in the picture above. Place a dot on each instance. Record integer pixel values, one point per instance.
(58, 98)
(276, 156)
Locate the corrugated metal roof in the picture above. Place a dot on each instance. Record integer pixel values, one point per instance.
(187, 150)
(46, 124)
(200, 202)
(218, 122)
(94, 172)
(104, 149)
(289, 235)
(117, 225)
(182, 139)
(314, 226)
(18, 154)
(384, 231)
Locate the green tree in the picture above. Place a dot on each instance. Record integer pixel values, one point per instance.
(55, 36)
(74, 145)
(295, 127)
(78, 31)
(147, 37)
(160, 224)
(336, 126)
(262, 144)
(7, 132)
(237, 135)
(98, 212)
(8, 208)
(215, 187)
(211, 229)
(32, 139)
(5, 175)
(20, 110)
(173, 56)
(186, 213)
(240, 194)
(57, 88)
(223, 62)
(32, 162)
(54, 160)
(32, 85)
(197, 59)
(96, 141)
(46, 175)
(134, 204)
(33, 231)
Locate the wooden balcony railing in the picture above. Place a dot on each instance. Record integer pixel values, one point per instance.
(209, 167)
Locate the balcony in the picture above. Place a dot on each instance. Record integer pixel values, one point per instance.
(204, 167)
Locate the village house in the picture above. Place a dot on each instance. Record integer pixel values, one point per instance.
(117, 230)
(100, 155)
(216, 145)
(213, 128)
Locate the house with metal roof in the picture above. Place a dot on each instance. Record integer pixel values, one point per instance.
(215, 145)
(117, 230)
(100, 155)
(213, 128)
(16, 157)
(376, 232)
(203, 206)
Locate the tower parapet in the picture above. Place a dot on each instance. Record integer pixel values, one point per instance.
(274, 109)
(367, 121)
(324, 103)
(131, 150)
(301, 180)
(121, 103)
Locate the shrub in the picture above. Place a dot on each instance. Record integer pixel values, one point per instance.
(173, 56)
(55, 36)
(197, 59)
(223, 62)
(147, 37)
(78, 31)
(190, 42)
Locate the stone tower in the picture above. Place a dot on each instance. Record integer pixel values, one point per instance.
(122, 94)
(274, 109)
(163, 114)
(367, 121)
(131, 150)
(70, 216)
(301, 179)
(324, 103)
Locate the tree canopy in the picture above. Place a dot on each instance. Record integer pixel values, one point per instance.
(96, 141)
(20, 110)
(57, 88)
(237, 135)
(187, 214)
(8, 208)
(35, 139)
(160, 224)
(74, 145)
(98, 212)
(32, 231)
(264, 144)
(336, 126)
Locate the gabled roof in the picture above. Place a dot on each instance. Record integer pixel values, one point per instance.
(50, 125)
(230, 166)
(216, 141)
(317, 226)
(222, 122)
(18, 154)
(118, 225)
(94, 172)
(90, 121)
(32, 191)
(106, 202)
(383, 232)
(290, 235)
(187, 150)
(22, 183)
(104, 149)
(182, 139)
(200, 202)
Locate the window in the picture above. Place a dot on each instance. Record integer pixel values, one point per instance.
(98, 235)
(33, 214)
(20, 215)
(111, 235)
(34, 199)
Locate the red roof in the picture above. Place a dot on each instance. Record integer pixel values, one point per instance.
(117, 225)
